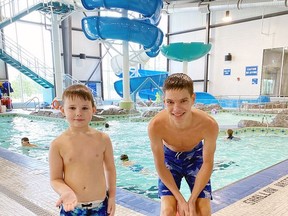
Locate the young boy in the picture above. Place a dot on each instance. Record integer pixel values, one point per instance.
(82, 168)
(183, 142)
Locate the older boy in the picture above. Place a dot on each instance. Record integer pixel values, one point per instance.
(82, 168)
(183, 142)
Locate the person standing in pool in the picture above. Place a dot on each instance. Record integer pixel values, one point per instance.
(81, 160)
(183, 142)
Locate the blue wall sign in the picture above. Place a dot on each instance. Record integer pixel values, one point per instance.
(227, 72)
(254, 81)
(251, 71)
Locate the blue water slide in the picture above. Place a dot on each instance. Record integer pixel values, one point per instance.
(148, 8)
(137, 31)
(148, 91)
(205, 98)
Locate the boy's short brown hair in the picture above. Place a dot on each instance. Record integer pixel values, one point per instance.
(25, 139)
(78, 90)
(124, 157)
(178, 81)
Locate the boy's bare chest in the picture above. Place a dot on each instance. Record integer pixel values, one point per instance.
(84, 153)
(182, 140)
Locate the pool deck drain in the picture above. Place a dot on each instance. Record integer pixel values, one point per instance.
(22, 201)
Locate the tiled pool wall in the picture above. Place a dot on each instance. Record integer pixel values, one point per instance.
(46, 118)
(258, 130)
(137, 118)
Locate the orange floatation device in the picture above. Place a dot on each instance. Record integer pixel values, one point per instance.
(56, 104)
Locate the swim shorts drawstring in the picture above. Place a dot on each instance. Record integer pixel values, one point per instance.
(177, 155)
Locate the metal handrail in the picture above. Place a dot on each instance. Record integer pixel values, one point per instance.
(36, 104)
(10, 8)
(11, 48)
(71, 80)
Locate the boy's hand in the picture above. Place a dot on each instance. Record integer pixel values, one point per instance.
(68, 200)
(111, 206)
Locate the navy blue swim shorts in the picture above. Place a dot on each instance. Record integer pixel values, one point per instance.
(187, 165)
(88, 209)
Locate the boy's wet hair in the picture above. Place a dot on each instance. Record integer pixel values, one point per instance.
(178, 81)
(229, 132)
(80, 91)
(124, 157)
(25, 139)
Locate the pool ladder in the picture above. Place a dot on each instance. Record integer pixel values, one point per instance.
(36, 102)
(265, 120)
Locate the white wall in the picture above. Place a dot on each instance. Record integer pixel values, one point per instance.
(245, 41)
(82, 68)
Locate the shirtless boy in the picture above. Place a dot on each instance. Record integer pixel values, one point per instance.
(183, 142)
(82, 168)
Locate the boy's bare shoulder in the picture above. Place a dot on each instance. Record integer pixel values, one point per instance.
(158, 120)
(58, 140)
(100, 135)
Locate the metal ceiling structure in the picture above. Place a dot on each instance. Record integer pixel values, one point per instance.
(176, 6)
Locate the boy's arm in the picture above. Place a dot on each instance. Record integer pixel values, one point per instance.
(110, 173)
(67, 195)
(164, 174)
(206, 169)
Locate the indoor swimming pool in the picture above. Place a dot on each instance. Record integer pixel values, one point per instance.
(234, 160)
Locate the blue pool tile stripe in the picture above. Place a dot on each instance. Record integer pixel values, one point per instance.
(137, 203)
(242, 188)
(23, 160)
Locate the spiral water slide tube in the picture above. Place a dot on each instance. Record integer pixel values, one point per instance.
(142, 31)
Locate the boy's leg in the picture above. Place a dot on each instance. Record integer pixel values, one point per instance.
(203, 207)
(168, 206)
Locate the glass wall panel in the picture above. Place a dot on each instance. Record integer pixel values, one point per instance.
(284, 79)
(271, 72)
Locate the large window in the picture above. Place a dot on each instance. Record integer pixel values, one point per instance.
(275, 72)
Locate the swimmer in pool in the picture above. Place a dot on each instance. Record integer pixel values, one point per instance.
(132, 166)
(26, 143)
(230, 135)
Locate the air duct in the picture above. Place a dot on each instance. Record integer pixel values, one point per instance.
(222, 5)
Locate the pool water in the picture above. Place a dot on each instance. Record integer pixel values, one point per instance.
(234, 160)
(224, 118)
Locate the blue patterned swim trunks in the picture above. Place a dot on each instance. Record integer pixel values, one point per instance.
(136, 168)
(88, 210)
(187, 165)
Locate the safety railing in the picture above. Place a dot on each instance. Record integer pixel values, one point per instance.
(250, 103)
(36, 104)
(9, 9)
(69, 80)
(25, 58)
